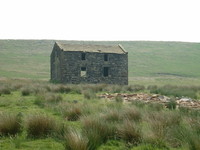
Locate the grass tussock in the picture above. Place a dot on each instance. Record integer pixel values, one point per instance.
(73, 114)
(97, 131)
(130, 132)
(25, 91)
(10, 124)
(40, 125)
(75, 140)
(132, 113)
(5, 90)
(43, 99)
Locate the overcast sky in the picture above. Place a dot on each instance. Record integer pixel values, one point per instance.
(153, 20)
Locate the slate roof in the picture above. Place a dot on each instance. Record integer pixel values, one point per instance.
(118, 49)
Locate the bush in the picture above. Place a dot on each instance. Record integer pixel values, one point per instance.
(10, 124)
(40, 125)
(74, 140)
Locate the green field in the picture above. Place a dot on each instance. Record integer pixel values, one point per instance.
(149, 62)
(37, 115)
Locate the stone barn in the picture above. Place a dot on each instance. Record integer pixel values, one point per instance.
(81, 63)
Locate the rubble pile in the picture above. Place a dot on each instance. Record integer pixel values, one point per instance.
(152, 98)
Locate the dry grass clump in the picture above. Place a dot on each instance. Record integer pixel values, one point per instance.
(40, 125)
(132, 113)
(129, 132)
(43, 99)
(74, 140)
(10, 124)
(112, 115)
(97, 131)
(25, 91)
(162, 122)
(73, 114)
(89, 94)
(62, 89)
(5, 90)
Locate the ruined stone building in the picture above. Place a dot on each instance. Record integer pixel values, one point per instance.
(80, 63)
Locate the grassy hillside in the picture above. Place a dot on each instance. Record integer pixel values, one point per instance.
(149, 62)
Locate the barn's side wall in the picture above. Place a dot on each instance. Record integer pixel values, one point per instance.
(94, 63)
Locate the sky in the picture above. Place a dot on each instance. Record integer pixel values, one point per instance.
(149, 20)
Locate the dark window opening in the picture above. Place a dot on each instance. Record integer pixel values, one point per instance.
(83, 71)
(105, 71)
(82, 56)
(105, 57)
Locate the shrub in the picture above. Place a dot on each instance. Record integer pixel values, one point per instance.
(40, 125)
(74, 140)
(129, 132)
(10, 124)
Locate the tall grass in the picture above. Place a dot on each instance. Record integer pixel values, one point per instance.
(10, 124)
(40, 125)
(130, 132)
(75, 140)
(97, 131)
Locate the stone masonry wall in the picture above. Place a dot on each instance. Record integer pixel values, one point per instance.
(94, 63)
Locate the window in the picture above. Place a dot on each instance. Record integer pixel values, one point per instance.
(82, 56)
(105, 71)
(83, 71)
(105, 57)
